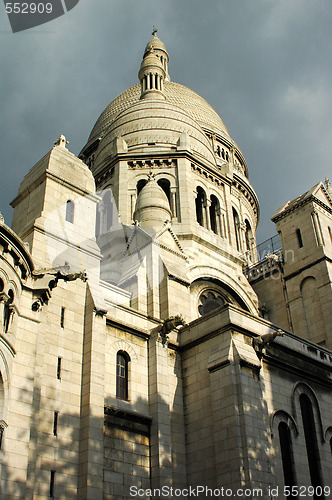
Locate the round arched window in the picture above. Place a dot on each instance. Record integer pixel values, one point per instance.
(209, 301)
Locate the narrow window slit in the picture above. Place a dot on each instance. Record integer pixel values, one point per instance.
(62, 317)
(58, 370)
(52, 483)
(55, 423)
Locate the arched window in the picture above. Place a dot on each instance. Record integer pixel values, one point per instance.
(214, 214)
(311, 442)
(248, 235)
(140, 185)
(106, 212)
(70, 209)
(249, 239)
(209, 301)
(200, 205)
(2, 285)
(237, 229)
(287, 456)
(330, 233)
(122, 361)
(166, 187)
(8, 310)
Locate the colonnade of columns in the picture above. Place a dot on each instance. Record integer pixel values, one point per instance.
(152, 81)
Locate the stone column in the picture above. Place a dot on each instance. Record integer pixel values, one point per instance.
(228, 442)
(219, 223)
(102, 217)
(186, 201)
(92, 405)
(206, 214)
(133, 198)
(173, 203)
(317, 228)
(240, 416)
(153, 279)
(223, 223)
(121, 181)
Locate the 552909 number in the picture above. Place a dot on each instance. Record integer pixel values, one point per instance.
(28, 8)
(303, 491)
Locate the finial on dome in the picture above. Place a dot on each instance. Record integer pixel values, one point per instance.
(154, 31)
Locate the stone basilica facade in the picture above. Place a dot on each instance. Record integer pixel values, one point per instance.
(146, 341)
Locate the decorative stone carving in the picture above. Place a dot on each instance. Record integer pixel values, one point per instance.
(267, 338)
(168, 325)
(61, 142)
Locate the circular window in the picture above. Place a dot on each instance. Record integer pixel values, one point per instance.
(209, 301)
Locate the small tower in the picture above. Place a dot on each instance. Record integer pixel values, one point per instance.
(153, 70)
(54, 211)
(305, 227)
(152, 206)
(160, 50)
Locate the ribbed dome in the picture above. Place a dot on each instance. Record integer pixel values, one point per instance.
(193, 104)
(155, 121)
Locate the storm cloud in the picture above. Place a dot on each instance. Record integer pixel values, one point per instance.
(264, 65)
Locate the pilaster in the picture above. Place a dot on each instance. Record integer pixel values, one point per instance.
(160, 441)
(92, 405)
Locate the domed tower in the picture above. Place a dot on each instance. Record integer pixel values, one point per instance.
(153, 70)
(152, 207)
(164, 128)
(157, 46)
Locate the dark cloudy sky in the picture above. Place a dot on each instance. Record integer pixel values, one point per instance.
(264, 65)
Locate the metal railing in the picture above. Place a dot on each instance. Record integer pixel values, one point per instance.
(269, 246)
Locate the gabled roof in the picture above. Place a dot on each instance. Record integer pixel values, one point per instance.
(319, 193)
